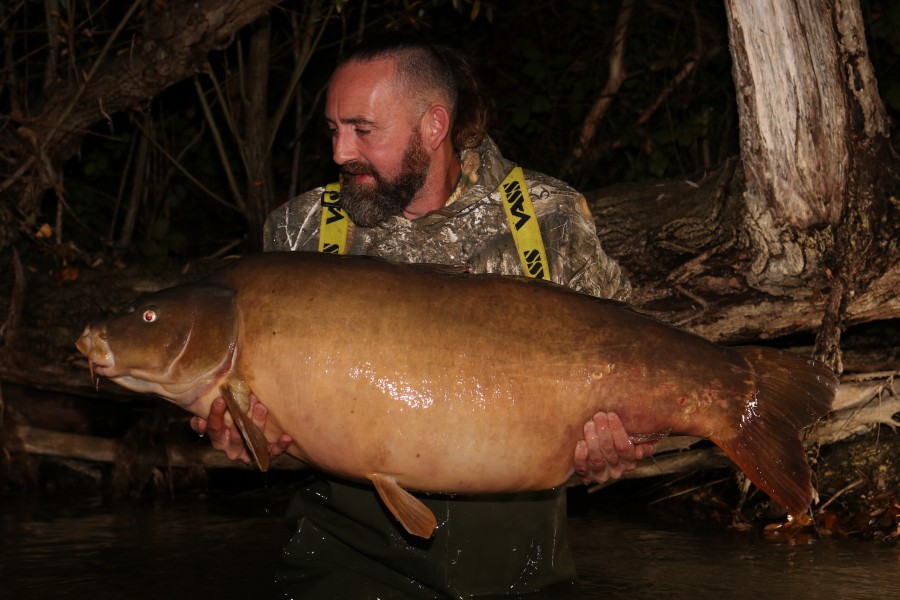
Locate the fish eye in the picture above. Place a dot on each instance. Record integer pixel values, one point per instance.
(149, 315)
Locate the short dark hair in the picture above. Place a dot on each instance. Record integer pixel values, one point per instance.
(425, 68)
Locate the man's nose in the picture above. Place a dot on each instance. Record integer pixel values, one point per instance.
(343, 148)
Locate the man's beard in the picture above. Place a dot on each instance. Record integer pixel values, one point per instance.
(368, 206)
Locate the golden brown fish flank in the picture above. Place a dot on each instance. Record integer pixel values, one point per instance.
(415, 378)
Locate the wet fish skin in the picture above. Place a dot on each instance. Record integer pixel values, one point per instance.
(417, 378)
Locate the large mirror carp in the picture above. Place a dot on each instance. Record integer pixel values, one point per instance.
(418, 378)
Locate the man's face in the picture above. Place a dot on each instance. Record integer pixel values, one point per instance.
(374, 140)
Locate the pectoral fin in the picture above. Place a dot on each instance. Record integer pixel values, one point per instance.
(256, 441)
(415, 517)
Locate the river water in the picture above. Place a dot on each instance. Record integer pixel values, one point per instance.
(227, 545)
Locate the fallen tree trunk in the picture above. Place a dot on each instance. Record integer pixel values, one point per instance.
(43, 442)
(684, 245)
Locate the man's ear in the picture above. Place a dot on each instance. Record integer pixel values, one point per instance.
(435, 126)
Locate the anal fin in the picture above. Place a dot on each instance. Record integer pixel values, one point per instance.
(256, 441)
(415, 517)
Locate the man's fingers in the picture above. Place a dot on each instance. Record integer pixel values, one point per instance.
(279, 446)
(624, 448)
(581, 458)
(642, 451)
(227, 439)
(215, 423)
(607, 451)
(258, 413)
(198, 424)
(222, 436)
(595, 459)
(603, 449)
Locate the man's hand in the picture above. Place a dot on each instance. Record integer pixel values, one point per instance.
(228, 439)
(606, 451)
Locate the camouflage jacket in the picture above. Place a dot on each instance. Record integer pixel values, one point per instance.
(472, 229)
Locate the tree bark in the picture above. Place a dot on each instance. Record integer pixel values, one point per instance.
(813, 139)
(690, 262)
(796, 84)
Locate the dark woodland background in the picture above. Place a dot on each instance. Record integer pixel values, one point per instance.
(168, 179)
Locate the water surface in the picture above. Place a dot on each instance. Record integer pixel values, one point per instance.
(227, 545)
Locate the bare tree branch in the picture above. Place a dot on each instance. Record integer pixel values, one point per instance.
(614, 81)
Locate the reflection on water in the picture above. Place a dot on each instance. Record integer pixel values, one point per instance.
(635, 558)
(220, 547)
(228, 545)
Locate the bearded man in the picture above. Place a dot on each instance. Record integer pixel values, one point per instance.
(420, 181)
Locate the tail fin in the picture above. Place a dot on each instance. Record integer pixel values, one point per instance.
(792, 392)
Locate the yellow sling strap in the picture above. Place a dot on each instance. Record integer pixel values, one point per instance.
(335, 222)
(516, 203)
(523, 225)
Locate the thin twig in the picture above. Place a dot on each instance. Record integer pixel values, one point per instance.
(49, 137)
(228, 113)
(121, 191)
(18, 174)
(299, 68)
(839, 493)
(51, 8)
(177, 164)
(181, 154)
(10, 325)
(614, 81)
(4, 24)
(224, 249)
(687, 491)
(220, 147)
(689, 67)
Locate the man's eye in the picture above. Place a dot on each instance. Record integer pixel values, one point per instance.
(362, 132)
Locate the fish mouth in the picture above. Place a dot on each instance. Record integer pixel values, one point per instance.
(94, 345)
